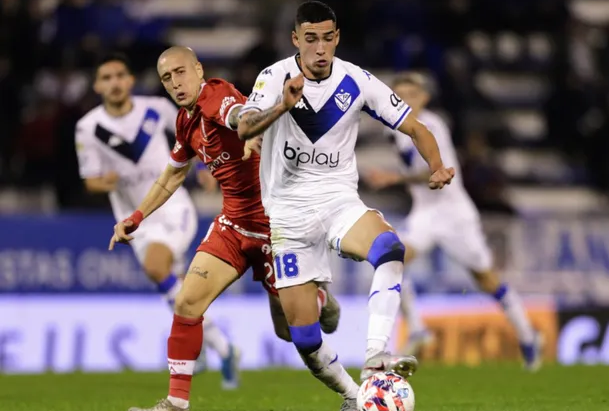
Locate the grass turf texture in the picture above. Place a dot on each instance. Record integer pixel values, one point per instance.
(437, 388)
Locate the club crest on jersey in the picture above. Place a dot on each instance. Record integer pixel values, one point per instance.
(343, 100)
(149, 126)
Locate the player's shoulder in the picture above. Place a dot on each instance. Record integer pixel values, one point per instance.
(359, 74)
(430, 116)
(280, 69)
(214, 87)
(432, 120)
(86, 124)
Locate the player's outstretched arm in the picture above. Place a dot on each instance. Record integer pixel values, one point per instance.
(104, 184)
(426, 144)
(379, 179)
(253, 124)
(162, 189)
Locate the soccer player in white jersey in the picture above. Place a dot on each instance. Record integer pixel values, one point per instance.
(308, 107)
(448, 219)
(122, 147)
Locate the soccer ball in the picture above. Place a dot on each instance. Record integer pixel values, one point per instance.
(385, 391)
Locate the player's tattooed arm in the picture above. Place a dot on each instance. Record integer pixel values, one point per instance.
(255, 123)
(424, 141)
(233, 117)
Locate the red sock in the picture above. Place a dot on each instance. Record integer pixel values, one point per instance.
(183, 348)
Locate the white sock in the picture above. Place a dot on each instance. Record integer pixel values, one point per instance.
(409, 307)
(178, 402)
(214, 338)
(516, 313)
(324, 365)
(383, 305)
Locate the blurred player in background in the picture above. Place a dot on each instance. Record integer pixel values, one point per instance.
(237, 239)
(122, 146)
(308, 107)
(446, 218)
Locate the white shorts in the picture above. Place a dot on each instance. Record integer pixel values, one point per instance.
(460, 236)
(302, 239)
(175, 226)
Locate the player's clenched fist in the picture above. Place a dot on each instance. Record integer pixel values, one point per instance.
(126, 227)
(251, 145)
(292, 91)
(441, 177)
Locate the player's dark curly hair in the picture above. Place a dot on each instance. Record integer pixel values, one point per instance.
(314, 12)
(114, 56)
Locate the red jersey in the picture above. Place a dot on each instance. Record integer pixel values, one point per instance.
(207, 134)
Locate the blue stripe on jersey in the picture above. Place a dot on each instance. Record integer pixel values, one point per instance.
(315, 124)
(132, 151)
(375, 116)
(145, 133)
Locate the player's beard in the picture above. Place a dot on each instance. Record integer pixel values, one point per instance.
(118, 100)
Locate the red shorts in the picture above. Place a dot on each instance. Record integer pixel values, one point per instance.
(241, 250)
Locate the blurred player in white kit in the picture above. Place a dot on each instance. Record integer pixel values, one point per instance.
(308, 107)
(446, 218)
(122, 147)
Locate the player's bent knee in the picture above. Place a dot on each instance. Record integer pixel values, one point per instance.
(487, 281)
(188, 305)
(306, 338)
(386, 247)
(155, 272)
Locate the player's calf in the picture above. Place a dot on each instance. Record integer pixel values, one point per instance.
(157, 266)
(329, 314)
(386, 254)
(515, 311)
(300, 306)
(207, 277)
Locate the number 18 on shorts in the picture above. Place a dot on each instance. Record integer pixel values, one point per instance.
(286, 265)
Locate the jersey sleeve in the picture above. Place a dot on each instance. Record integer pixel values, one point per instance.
(381, 103)
(224, 100)
(181, 153)
(267, 90)
(90, 164)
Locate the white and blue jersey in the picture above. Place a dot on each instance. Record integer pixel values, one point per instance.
(452, 196)
(136, 146)
(308, 171)
(447, 218)
(308, 153)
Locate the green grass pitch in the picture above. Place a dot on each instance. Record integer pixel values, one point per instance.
(437, 388)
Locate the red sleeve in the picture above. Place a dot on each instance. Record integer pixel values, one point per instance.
(181, 153)
(222, 98)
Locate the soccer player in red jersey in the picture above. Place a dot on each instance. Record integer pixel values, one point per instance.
(237, 239)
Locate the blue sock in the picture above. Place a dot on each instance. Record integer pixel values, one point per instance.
(170, 287)
(306, 338)
(500, 292)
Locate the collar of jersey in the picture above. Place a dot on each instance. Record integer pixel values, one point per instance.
(313, 80)
(196, 105)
